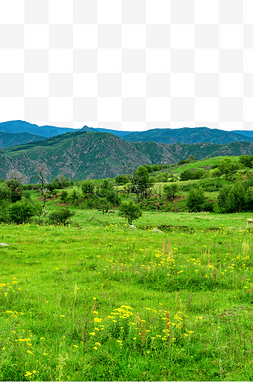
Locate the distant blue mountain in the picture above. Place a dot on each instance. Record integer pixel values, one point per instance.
(26, 127)
(248, 133)
(50, 131)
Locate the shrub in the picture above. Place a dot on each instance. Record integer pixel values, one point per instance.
(60, 216)
(21, 211)
(195, 199)
(130, 211)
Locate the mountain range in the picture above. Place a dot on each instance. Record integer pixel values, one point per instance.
(97, 155)
(170, 136)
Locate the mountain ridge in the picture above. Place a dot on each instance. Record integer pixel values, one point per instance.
(100, 155)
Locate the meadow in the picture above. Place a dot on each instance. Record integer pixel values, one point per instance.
(98, 300)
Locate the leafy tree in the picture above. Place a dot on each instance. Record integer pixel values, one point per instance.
(141, 182)
(88, 187)
(249, 199)
(236, 198)
(106, 191)
(170, 190)
(74, 196)
(191, 158)
(21, 211)
(246, 160)
(195, 199)
(102, 204)
(60, 217)
(130, 211)
(222, 198)
(186, 175)
(16, 189)
(5, 192)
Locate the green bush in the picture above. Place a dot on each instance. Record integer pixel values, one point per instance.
(21, 211)
(60, 216)
(88, 187)
(5, 192)
(195, 199)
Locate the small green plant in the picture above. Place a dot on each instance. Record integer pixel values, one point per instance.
(130, 211)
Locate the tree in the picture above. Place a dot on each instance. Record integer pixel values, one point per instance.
(130, 211)
(170, 190)
(141, 182)
(249, 199)
(16, 189)
(236, 198)
(5, 192)
(102, 204)
(222, 198)
(195, 199)
(88, 187)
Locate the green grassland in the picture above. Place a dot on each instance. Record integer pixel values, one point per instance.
(97, 300)
(168, 299)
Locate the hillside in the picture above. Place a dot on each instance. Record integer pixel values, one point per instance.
(187, 135)
(11, 139)
(99, 155)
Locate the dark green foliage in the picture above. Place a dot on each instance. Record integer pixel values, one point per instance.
(195, 199)
(170, 190)
(188, 174)
(16, 189)
(64, 195)
(130, 211)
(107, 191)
(102, 204)
(5, 192)
(74, 196)
(4, 211)
(60, 217)
(222, 198)
(208, 206)
(21, 211)
(227, 167)
(121, 179)
(246, 160)
(88, 187)
(141, 182)
(236, 198)
(249, 199)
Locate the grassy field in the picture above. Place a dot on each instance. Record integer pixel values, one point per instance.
(98, 300)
